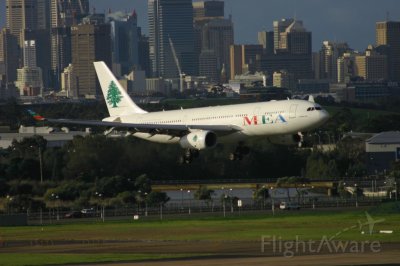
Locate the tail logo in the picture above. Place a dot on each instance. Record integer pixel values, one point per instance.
(113, 95)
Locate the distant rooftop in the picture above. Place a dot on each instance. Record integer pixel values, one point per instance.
(390, 137)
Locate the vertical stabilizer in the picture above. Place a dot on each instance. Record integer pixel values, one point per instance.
(117, 99)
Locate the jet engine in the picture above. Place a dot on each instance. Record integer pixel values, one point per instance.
(199, 140)
(287, 140)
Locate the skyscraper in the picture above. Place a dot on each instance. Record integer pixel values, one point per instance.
(9, 55)
(371, 66)
(279, 27)
(171, 19)
(266, 39)
(125, 39)
(21, 15)
(206, 9)
(388, 33)
(90, 43)
(217, 36)
(329, 55)
(295, 39)
(66, 13)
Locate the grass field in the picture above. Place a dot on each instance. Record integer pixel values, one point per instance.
(161, 234)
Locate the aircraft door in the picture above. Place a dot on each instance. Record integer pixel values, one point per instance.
(292, 112)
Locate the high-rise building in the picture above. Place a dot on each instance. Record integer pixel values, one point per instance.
(29, 81)
(69, 82)
(266, 39)
(61, 55)
(206, 9)
(218, 37)
(30, 53)
(21, 15)
(250, 53)
(279, 27)
(43, 56)
(9, 55)
(388, 33)
(90, 43)
(346, 67)
(283, 79)
(125, 39)
(43, 14)
(330, 53)
(144, 53)
(208, 63)
(295, 39)
(371, 66)
(236, 62)
(65, 13)
(171, 20)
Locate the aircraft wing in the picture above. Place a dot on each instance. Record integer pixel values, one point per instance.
(169, 129)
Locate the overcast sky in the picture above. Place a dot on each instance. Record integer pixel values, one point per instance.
(341, 20)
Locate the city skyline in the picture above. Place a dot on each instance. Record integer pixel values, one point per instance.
(334, 21)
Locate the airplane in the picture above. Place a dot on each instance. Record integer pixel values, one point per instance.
(197, 129)
(370, 222)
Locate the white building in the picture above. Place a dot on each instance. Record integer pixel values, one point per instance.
(69, 82)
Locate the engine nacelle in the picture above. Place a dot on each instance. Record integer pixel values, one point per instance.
(199, 140)
(287, 140)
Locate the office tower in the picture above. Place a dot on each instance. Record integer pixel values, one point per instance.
(30, 53)
(292, 53)
(295, 39)
(69, 82)
(125, 39)
(283, 79)
(144, 53)
(21, 14)
(61, 55)
(43, 14)
(208, 63)
(65, 13)
(371, 66)
(330, 52)
(90, 43)
(205, 9)
(236, 62)
(266, 39)
(9, 55)
(250, 53)
(29, 81)
(171, 19)
(217, 36)
(346, 67)
(43, 51)
(279, 27)
(388, 33)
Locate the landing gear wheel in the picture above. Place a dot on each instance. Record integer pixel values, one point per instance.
(188, 156)
(239, 153)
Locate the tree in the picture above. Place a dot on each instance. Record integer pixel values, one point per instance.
(261, 194)
(205, 194)
(113, 95)
(292, 182)
(157, 198)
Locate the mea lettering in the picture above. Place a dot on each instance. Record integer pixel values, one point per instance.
(263, 120)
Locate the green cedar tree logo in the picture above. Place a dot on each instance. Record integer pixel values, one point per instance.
(113, 95)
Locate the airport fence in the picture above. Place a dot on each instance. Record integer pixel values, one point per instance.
(193, 208)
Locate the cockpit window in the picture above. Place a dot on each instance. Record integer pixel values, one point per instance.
(310, 109)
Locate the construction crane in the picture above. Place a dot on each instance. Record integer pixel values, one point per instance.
(178, 65)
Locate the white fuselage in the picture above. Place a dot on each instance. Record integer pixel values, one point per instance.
(254, 119)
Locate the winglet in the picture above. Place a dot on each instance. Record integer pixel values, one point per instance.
(36, 116)
(311, 99)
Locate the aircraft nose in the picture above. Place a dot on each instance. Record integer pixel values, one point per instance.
(324, 116)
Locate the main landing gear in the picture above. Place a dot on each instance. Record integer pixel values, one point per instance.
(188, 156)
(239, 153)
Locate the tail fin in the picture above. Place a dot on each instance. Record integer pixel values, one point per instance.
(36, 116)
(117, 100)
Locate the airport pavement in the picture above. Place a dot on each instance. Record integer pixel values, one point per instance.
(381, 258)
